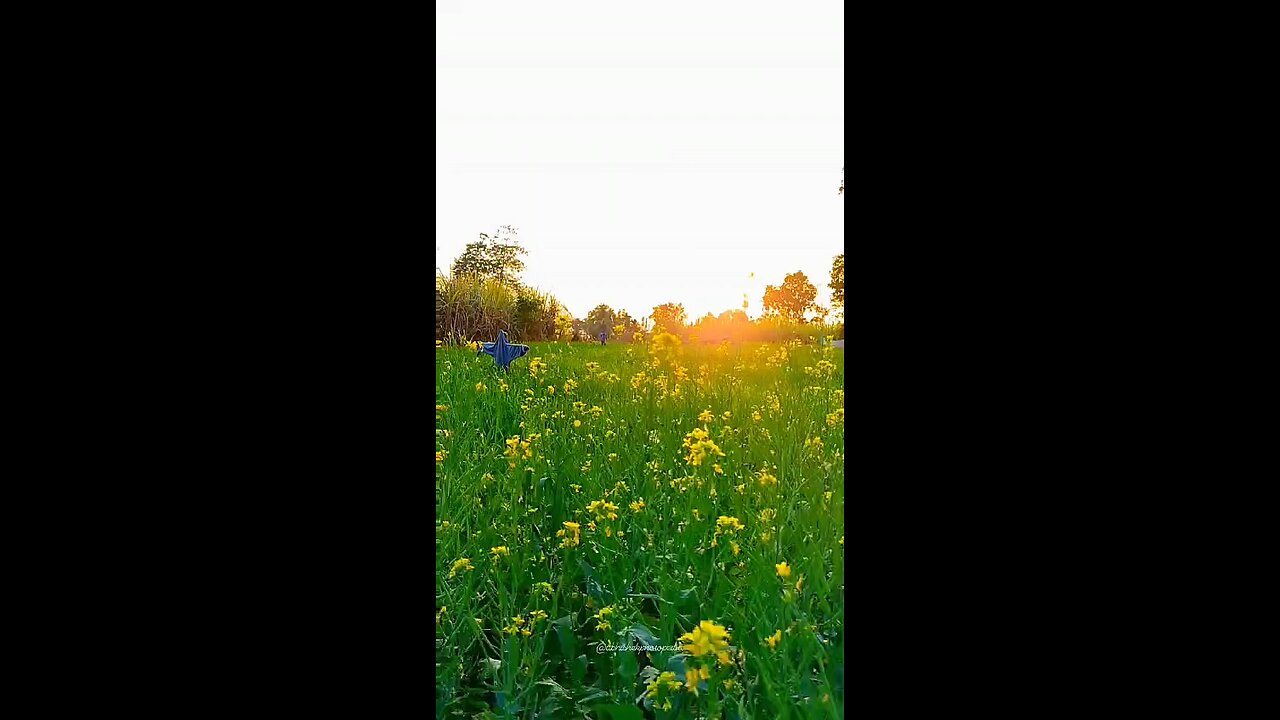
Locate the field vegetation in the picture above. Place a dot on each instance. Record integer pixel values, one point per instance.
(685, 495)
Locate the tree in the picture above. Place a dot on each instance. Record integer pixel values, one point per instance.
(564, 326)
(601, 320)
(669, 316)
(494, 256)
(792, 299)
(837, 281)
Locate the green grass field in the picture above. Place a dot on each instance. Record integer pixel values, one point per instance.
(637, 495)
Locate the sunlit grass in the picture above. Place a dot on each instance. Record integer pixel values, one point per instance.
(709, 487)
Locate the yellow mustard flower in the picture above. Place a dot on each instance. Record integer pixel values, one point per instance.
(461, 565)
(784, 570)
(571, 533)
(603, 510)
(729, 524)
(709, 638)
(693, 675)
(774, 639)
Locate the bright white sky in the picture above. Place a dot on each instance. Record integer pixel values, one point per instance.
(645, 152)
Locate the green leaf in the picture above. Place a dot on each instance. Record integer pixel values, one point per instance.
(628, 666)
(618, 712)
(643, 635)
(676, 665)
(556, 687)
(564, 634)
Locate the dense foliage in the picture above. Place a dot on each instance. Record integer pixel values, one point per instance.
(660, 494)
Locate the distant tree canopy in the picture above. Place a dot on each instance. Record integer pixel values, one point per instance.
(629, 325)
(793, 299)
(837, 281)
(495, 256)
(483, 295)
(601, 320)
(730, 324)
(564, 326)
(670, 317)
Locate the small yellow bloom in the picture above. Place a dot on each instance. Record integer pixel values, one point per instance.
(691, 680)
(708, 638)
(800, 584)
(480, 387)
(729, 524)
(706, 416)
(499, 551)
(577, 423)
(572, 534)
(784, 570)
(462, 564)
(774, 639)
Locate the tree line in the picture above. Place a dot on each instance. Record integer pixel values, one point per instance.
(483, 294)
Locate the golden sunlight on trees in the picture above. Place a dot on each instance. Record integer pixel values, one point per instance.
(793, 299)
(669, 316)
(837, 281)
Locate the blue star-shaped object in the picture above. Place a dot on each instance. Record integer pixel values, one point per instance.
(503, 352)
